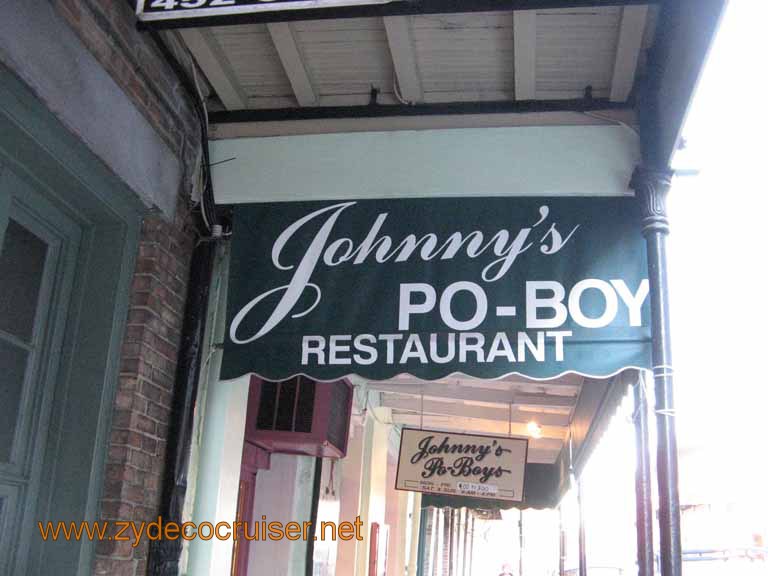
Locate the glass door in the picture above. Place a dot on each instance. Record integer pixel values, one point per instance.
(38, 249)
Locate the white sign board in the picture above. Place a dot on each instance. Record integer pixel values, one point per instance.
(154, 10)
(462, 464)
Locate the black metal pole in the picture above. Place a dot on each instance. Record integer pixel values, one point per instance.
(309, 564)
(164, 554)
(520, 560)
(652, 186)
(643, 493)
(472, 544)
(420, 553)
(582, 529)
(407, 110)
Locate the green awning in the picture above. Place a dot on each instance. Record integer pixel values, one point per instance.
(430, 287)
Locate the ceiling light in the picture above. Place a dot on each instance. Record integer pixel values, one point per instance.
(534, 430)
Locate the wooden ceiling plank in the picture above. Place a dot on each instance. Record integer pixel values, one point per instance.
(216, 67)
(569, 380)
(544, 400)
(441, 390)
(445, 391)
(403, 51)
(293, 62)
(631, 31)
(525, 54)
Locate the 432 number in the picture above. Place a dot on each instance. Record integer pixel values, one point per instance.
(172, 4)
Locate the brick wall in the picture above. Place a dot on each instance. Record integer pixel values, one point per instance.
(136, 451)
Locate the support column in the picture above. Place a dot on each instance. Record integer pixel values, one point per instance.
(563, 541)
(447, 536)
(351, 481)
(582, 529)
(643, 492)
(440, 542)
(471, 544)
(463, 542)
(652, 187)
(520, 559)
(373, 487)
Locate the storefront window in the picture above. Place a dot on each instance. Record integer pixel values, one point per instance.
(22, 263)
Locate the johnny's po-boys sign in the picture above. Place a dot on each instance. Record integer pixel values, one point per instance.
(462, 464)
(483, 286)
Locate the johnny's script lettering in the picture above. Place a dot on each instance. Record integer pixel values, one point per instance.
(470, 459)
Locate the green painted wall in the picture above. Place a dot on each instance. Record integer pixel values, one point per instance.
(39, 150)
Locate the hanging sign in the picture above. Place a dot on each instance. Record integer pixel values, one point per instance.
(430, 287)
(153, 10)
(462, 464)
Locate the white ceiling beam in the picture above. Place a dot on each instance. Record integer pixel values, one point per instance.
(500, 413)
(469, 425)
(293, 62)
(524, 34)
(631, 31)
(512, 382)
(403, 52)
(216, 67)
(479, 425)
(540, 388)
(544, 400)
(452, 391)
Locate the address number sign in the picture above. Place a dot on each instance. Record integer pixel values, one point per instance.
(154, 10)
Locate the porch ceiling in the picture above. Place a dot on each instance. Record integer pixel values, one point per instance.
(503, 406)
(552, 55)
